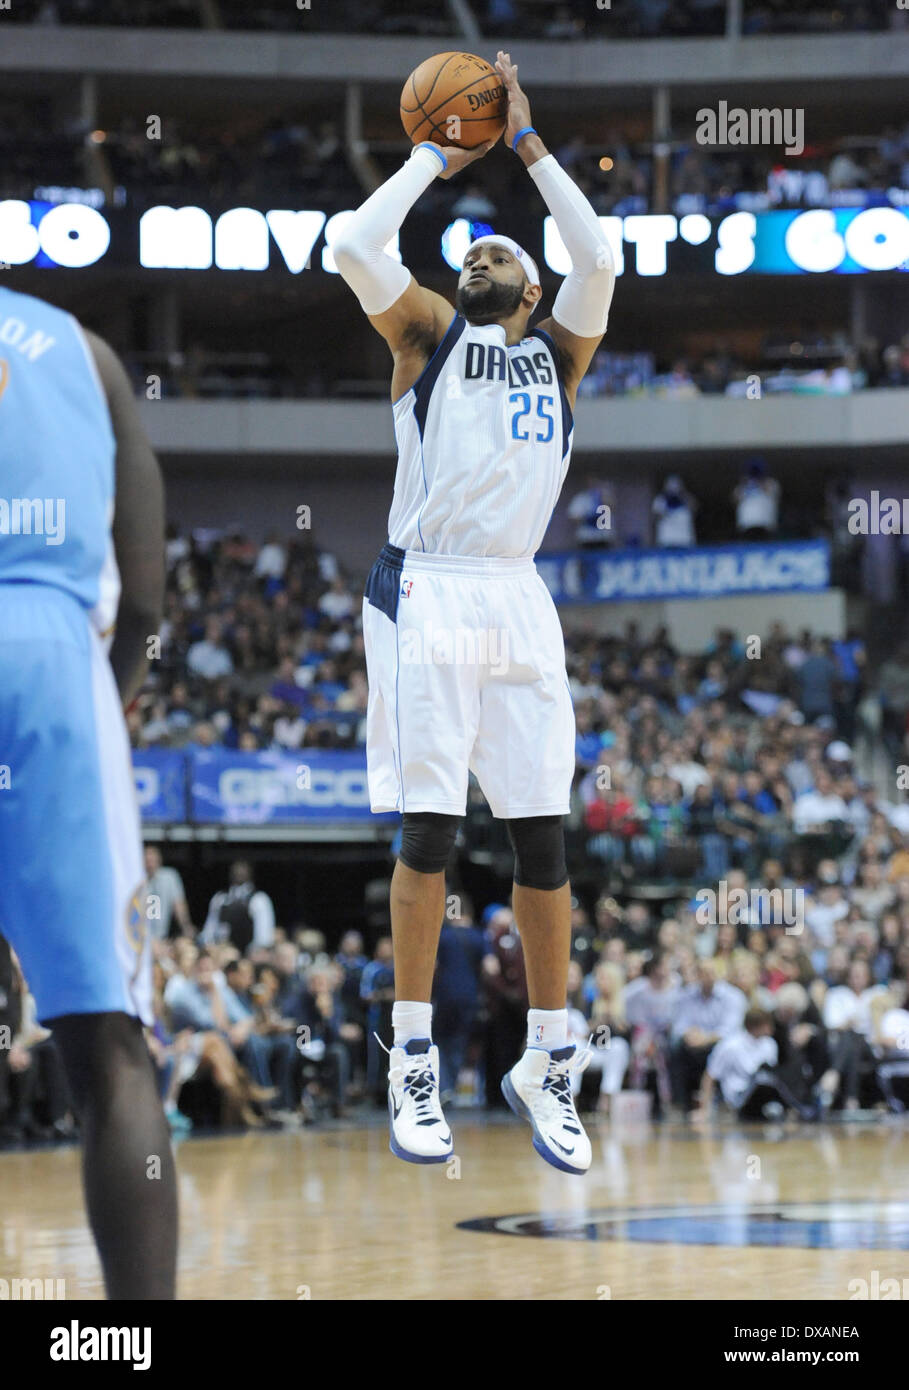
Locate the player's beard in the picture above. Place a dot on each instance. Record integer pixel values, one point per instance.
(489, 301)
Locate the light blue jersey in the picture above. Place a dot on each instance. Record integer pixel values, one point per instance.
(57, 452)
(72, 896)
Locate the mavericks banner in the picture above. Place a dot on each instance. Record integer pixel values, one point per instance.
(712, 571)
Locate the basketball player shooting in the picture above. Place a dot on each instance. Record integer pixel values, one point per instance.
(483, 419)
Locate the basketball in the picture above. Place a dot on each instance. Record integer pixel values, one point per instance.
(454, 99)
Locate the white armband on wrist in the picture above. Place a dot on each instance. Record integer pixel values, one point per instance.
(376, 278)
(582, 303)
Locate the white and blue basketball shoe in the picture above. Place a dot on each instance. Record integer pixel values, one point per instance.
(419, 1133)
(538, 1089)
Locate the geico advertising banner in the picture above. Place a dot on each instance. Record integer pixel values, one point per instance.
(295, 241)
(707, 572)
(160, 777)
(258, 788)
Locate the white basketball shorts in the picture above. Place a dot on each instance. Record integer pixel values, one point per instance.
(466, 666)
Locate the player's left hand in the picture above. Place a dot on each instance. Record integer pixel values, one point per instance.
(518, 105)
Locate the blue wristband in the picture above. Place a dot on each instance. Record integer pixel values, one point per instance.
(424, 145)
(528, 130)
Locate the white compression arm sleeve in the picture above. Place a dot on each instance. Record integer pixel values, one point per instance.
(378, 279)
(582, 303)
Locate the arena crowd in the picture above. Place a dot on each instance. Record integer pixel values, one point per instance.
(742, 886)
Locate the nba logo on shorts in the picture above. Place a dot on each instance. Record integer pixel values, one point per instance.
(406, 587)
(539, 1033)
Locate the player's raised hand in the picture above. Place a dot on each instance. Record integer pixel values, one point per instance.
(518, 105)
(458, 159)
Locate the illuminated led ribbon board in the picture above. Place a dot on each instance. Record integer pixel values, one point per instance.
(816, 241)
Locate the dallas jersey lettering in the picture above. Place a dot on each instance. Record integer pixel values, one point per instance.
(484, 441)
(57, 453)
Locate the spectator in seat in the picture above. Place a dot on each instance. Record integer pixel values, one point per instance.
(352, 962)
(706, 1012)
(337, 602)
(39, 1105)
(206, 1003)
(592, 511)
(209, 658)
(456, 991)
(190, 1053)
(744, 1065)
(649, 1011)
(819, 810)
(290, 1000)
(614, 819)
(673, 512)
(702, 822)
(325, 1043)
(167, 906)
(505, 984)
(801, 1040)
(848, 1019)
(816, 680)
(377, 992)
(665, 818)
(851, 658)
(891, 1045)
(610, 1052)
(271, 560)
(240, 974)
(827, 907)
(757, 504)
(727, 940)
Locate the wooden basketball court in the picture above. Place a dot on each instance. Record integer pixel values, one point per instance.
(665, 1213)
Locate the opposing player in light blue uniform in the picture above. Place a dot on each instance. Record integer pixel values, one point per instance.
(464, 648)
(81, 587)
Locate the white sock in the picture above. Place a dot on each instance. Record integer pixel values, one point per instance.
(411, 1020)
(547, 1028)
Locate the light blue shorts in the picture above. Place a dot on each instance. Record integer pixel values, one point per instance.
(72, 883)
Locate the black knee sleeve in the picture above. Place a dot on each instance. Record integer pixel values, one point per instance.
(427, 839)
(539, 851)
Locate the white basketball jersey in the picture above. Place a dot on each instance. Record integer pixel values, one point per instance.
(484, 440)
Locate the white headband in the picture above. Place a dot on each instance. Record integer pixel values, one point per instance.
(527, 263)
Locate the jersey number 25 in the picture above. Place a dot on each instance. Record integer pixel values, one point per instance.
(522, 400)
